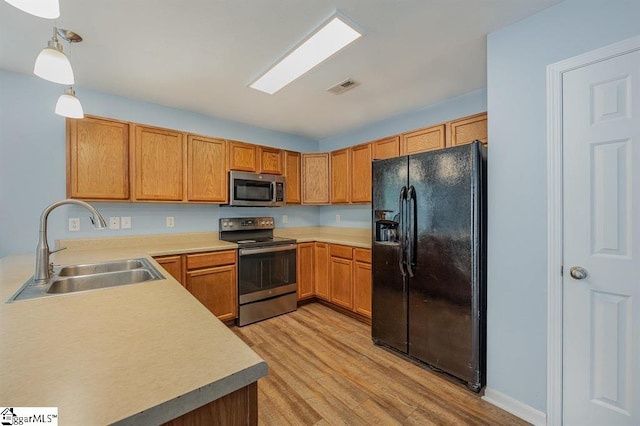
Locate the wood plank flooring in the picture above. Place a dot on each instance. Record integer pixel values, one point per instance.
(325, 370)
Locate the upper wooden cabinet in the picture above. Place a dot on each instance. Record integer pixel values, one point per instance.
(207, 178)
(159, 165)
(270, 160)
(423, 140)
(361, 173)
(97, 159)
(292, 175)
(467, 130)
(243, 156)
(340, 176)
(315, 178)
(386, 148)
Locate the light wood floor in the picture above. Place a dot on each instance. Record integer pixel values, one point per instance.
(325, 370)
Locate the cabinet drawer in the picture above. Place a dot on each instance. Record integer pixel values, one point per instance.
(211, 259)
(344, 252)
(362, 255)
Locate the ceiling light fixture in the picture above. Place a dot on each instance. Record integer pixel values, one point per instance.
(332, 36)
(49, 9)
(68, 105)
(52, 64)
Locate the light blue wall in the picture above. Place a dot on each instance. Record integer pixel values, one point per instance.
(517, 59)
(360, 216)
(32, 165)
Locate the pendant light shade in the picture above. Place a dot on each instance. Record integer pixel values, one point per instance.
(68, 105)
(49, 9)
(53, 65)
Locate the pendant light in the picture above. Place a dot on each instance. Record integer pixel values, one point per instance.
(68, 105)
(52, 64)
(49, 9)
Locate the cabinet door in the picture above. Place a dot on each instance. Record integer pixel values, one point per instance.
(173, 265)
(159, 164)
(423, 140)
(97, 159)
(270, 160)
(341, 282)
(386, 148)
(315, 178)
(216, 288)
(467, 130)
(305, 270)
(207, 169)
(361, 173)
(340, 171)
(292, 175)
(243, 156)
(321, 263)
(362, 282)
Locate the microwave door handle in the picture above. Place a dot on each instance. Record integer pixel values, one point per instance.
(273, 191)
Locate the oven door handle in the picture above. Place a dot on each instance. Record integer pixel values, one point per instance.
(249, 251)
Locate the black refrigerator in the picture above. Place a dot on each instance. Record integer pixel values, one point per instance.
(429, 259)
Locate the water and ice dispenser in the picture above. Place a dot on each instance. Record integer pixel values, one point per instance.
(386, 227)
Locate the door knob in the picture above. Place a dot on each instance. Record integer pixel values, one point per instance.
(578, 272)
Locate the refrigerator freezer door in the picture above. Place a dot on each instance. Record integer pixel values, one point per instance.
(443, 321)
(389, 291)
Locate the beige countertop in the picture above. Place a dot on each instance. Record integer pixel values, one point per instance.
(135, 354)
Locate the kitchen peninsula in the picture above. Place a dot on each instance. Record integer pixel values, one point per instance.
(137, 354)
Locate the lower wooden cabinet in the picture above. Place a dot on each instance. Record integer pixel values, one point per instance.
(362, 281)
(336, 273)
(174, 265)
(321, 265)
(211, 277)
(305, 268)
(341, 276)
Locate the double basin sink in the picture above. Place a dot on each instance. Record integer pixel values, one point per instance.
(92, 276)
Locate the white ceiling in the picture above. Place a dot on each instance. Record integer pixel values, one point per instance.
(200, 55)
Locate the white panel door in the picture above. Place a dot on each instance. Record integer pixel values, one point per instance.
(601, 208)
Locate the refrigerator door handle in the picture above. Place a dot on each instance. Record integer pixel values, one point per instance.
(402, 204)
(411, 230)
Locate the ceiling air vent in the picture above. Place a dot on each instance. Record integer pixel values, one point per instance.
(343, 86)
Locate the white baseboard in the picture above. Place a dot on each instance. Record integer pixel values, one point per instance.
(515, 407)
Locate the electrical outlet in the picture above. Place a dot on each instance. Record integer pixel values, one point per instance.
(285, 218)
(170, 222)
(114, 222)
(74, 224)
(125, 222)
(337, 218)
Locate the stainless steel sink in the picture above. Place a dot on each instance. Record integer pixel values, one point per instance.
(98, 268)
(94, 276)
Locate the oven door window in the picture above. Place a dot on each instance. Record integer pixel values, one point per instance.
(260, 275)
(251, 190)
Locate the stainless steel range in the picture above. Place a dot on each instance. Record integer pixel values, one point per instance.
(266, 268)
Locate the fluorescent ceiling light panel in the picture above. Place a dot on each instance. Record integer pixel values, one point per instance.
(329, 39)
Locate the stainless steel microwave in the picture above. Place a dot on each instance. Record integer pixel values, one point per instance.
(256, 190)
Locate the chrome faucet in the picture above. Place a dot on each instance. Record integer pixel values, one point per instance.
(43, 273)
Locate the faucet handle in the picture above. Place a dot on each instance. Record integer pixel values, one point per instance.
(57, 250)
